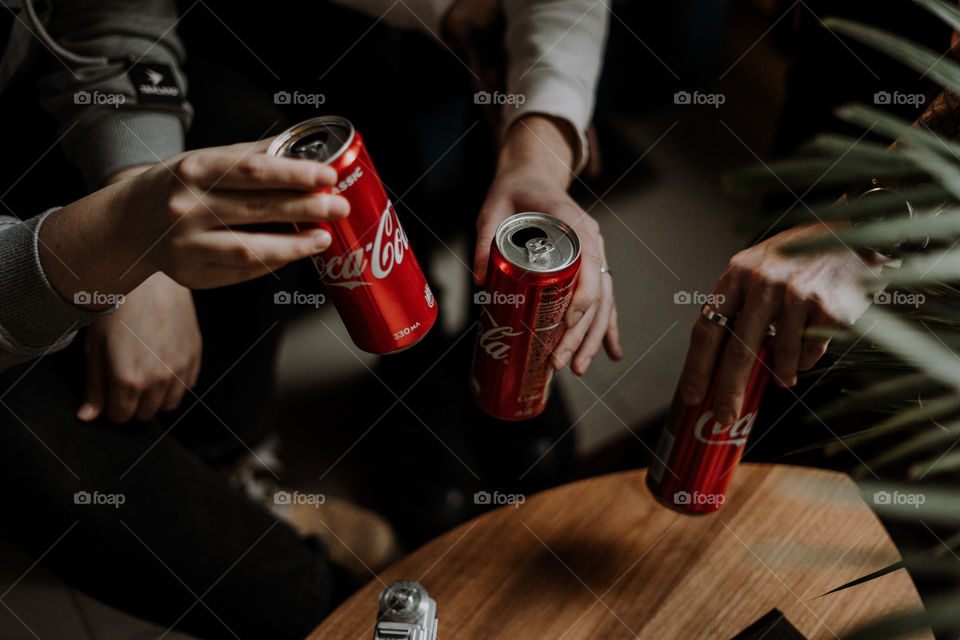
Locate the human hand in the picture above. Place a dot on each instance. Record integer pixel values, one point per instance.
(762, 285)
(142, 359)
(533, 175)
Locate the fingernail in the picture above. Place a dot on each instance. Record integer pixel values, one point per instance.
(87, 412)
(724, 417)
(689, 395)
(340, 206)
(574, 318)
(562, 359)
(322, 239)
(585, 365)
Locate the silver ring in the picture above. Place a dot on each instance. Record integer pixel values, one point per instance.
(604, 270)
(713, 316)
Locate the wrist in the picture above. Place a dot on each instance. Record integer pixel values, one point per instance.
(540, 143)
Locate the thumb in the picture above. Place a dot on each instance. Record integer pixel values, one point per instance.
(94, 395)
(491, 215)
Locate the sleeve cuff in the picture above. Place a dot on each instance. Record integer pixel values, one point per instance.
(125, 139)
(33, 315)
(551, 93)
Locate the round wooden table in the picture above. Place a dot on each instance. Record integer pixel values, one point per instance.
(600, 558)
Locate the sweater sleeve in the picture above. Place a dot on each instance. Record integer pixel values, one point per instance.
(128, 109)
(34, 318)
(554, 54)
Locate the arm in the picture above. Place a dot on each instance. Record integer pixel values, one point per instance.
(113, 115)
(107, 243)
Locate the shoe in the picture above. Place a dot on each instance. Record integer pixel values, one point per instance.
(357, 539)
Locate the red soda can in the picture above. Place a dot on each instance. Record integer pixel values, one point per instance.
(696, 455)
(369, 270)
(533, 268)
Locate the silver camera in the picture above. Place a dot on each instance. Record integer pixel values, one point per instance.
(406, 613)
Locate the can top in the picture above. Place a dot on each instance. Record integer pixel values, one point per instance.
(323, 139)
(537, 242)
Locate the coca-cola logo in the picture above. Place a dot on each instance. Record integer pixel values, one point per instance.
(709, 431)
(495, 341)
(374, 260)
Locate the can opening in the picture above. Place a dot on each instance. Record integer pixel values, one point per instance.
(310, 146)
(522, 236)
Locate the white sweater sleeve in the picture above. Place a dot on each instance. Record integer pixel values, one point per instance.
(554, 52)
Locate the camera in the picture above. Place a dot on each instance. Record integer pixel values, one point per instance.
(282, 297)
(682, 297)
(482, 97)
(681, 97)
(881, 497)
(881, 97)
(81, 497)
(281, 97)
(406, 611)
(482, 297)
(681, 497)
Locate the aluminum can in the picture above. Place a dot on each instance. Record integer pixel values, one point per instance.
(532, 273)
(697, 456)
(369, 270)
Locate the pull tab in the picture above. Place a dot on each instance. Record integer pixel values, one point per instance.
(537, 248)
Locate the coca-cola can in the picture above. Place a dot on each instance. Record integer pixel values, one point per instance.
(697, 456)
(533, 269)
(369, 270)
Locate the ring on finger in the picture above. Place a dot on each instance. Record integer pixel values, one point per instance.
(714, 316)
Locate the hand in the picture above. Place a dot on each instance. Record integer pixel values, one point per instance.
(186, 217)
(761, 285)
(142, 358)
(533, 175)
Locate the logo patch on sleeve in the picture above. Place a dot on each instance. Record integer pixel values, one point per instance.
(155, 82)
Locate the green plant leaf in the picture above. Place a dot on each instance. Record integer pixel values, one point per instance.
(912, 502)
(912, 346)
(943, 463)
(933, 266)
(930, 438)
(940, 614)
(939, 68)
(885, 233)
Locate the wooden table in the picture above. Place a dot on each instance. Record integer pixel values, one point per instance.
(600, 558)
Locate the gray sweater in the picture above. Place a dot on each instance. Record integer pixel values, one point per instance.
(118, 96)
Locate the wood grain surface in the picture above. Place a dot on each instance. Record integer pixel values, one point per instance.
(600, 558)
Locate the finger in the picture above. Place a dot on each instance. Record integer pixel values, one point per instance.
(740, 352)
(492, 213)
(232, 169)
(814, 347)
(94, 394)
(706, 343)
(150, 402)
(231, 247)
(123, 398)
(174, 395)
(254, 207)
(598, 329)
(611, 341)
(587, 294)
(789, 339)
(571, 340)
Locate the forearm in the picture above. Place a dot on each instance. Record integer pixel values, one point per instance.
(85, 247)
(942, 116)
